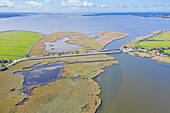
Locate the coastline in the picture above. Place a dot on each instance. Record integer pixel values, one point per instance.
(144, 53)
(151, 56)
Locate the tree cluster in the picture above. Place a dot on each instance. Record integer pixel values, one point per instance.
(3, 62)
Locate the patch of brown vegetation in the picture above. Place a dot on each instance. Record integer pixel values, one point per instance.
(64, 96)
(38, 47)
(86, 70)
(161, 59)
(77, 38)
(108, 37)
(10, 81)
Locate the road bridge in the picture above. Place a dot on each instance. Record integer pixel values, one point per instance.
(106, 51)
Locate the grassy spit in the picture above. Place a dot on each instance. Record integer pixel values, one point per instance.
(98, 43)
(63, 95)
(151, 56)
(77, 38)
(157, 41)
(86, 70)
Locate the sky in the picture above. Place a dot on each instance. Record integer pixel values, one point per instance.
(84, 6)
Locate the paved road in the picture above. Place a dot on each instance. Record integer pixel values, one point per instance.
(87, 54)
(50, 57)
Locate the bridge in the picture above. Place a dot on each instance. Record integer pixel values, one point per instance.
(104, 51)
(86, 54)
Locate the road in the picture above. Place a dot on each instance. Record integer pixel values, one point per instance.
(50, 57)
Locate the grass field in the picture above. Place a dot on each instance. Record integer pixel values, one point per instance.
(159, 40)
(152, 44)
(165, 35)
(15, 44)
(134, 43)
(167, 51)
(162, 40)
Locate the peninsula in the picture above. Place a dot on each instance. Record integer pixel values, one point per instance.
(155, 46)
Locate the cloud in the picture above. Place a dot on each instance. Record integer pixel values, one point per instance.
(6, 3)
(34, 4)
(103, 6)
(77, 3)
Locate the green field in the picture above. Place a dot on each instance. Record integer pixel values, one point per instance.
(152, 44)
(165, 35)
(158, 41)
(167, 51)
(15, 44)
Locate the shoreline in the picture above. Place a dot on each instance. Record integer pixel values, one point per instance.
(145, 53)
(115, 39)
(152, 57)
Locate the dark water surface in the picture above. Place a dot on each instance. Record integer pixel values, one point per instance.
(137, 85)
(42, 74)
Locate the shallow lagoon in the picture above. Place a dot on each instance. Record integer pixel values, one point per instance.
(94, 35)
(41, 74)
(61, 45)
(137, 85)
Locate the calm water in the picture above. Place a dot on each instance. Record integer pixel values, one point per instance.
(42, 74)
(61, 45)
(137, 85)
(94, 35)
